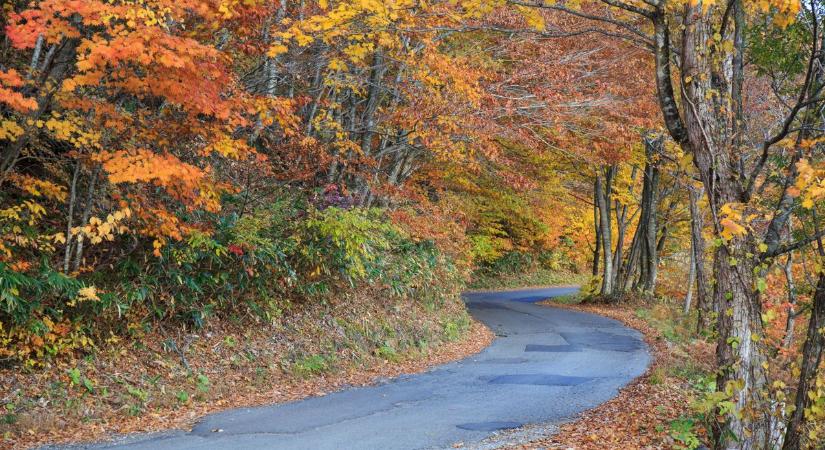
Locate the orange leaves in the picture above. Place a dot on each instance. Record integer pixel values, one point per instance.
(144, 165)
(185, 182)
(15, 100)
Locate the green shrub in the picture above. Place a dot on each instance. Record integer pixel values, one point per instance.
(263, 261)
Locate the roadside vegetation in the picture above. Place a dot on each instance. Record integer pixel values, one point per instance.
(518, 270)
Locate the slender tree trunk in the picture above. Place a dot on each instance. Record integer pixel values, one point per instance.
(598, 228)
(691, 280)
(603, 187)
(649, 256)
(789, 324)
(87, 213)
(697, 244)
(70, 217)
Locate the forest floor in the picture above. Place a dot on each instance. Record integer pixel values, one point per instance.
(657, 410)
(159, 381)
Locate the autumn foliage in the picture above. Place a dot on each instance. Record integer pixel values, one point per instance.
(167, 163)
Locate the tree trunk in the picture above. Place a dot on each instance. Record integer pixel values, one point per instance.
(603, 186)
(598, 228)
(789, 324)
(648, 254)
(704, 304)
(70, 217)
(87, 213)
(691, 281)
(811, 360)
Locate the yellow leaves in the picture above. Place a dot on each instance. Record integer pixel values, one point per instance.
(730, 220)
(533, 17)
(810, 184)
(337, 64)
(358, 52)
(277, 49)
(98, 230)
(228, 148)
(52, 339)
(39, 188)
(73, 130)
(157, 244)
(782, 12)
(87, 294)
(10, 130)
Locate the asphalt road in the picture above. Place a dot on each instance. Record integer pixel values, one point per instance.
(546, 365)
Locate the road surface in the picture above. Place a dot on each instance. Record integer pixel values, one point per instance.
(546, 365)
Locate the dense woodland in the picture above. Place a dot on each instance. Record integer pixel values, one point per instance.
(175, 165)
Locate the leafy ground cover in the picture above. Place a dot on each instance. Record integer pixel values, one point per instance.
(160, 379)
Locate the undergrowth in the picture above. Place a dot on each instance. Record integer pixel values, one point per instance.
(518, 269)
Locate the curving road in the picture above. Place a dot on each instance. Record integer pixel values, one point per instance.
(546, 366)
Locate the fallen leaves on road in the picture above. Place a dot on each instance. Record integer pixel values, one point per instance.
(638, 416)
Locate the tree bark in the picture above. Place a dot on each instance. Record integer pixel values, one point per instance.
(704, 304)
(811, 360)
(598, 228)
(70, 217)
(603, 186)
(87, 213)
(691, 281)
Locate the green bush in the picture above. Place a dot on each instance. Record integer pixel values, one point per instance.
(262, 261)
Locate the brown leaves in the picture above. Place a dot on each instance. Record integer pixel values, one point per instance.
(233, 379)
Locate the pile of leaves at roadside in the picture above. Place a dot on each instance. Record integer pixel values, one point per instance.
(655, 411)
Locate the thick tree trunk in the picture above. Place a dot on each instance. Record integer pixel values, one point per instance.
(738, 351)
(811, 360)
(708, 117)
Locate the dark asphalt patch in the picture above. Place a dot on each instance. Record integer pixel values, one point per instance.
(600, 340)
(551, 348)
(504, 360)
(489, 426)
(540, 380)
